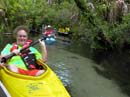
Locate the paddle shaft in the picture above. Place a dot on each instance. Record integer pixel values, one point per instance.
(4, 59)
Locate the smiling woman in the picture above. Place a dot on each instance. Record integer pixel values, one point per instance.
(22, 37)
(31, 84)
(25, 62)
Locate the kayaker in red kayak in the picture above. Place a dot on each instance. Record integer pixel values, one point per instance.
(25, 62)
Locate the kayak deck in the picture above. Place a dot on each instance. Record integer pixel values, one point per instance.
(45, 85)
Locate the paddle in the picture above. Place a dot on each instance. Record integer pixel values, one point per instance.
(5, 58)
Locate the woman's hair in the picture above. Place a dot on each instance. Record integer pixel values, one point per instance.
(18, 28)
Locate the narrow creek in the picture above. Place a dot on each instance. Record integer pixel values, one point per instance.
(78, 72)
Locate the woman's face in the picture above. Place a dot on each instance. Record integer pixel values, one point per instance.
(22, 37)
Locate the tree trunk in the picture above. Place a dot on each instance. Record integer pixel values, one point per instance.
(50, 2)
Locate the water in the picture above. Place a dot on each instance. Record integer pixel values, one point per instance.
(78, 72)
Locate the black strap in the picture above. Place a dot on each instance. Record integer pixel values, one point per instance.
(30, 60)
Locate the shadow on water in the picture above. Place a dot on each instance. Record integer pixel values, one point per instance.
(80, 48)
(113, 65)
(116, 66)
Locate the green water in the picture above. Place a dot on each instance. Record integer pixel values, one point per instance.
(78, 73)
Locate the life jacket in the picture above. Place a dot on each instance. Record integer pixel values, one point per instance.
(27, 56)
(48, 32)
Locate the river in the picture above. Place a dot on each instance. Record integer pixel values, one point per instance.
(78, 73)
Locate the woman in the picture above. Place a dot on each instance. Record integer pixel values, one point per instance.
(22, 63)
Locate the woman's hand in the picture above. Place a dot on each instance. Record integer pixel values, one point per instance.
(1, 64)
(42, 43)
(16, 51)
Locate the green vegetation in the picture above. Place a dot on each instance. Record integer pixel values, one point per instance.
(97, 23)
(89, 20)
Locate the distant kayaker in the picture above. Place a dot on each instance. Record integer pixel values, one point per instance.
(48, 31)
(49, 35)
(24, 63)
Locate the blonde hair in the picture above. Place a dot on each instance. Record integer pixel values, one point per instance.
(18, 28)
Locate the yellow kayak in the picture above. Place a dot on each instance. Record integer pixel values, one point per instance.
(45, 85)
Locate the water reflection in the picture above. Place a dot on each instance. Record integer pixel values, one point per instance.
(116, 66)
(111, 66)
(63, 72)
